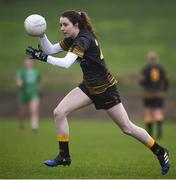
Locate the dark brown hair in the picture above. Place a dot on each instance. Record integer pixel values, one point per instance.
(82, 19)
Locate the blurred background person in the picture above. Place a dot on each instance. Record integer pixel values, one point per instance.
(28, 79)
(153, 79)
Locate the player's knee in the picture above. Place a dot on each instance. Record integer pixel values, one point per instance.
(58, 113)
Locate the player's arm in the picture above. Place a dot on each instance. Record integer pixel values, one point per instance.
(164, 78)
(19, 81)
(166, 81)
(65, 62)
(141, 80)
(48, 47)
(76, 50)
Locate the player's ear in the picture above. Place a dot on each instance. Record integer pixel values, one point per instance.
(76, 25)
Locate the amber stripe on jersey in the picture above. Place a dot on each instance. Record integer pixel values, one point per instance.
(64, 46)
(102, 88)
(158, 94)
(77, 52)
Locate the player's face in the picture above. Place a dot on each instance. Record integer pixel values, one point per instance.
(152, 59)
(28, 63)
(68, 29)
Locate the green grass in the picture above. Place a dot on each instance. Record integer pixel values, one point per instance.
(127, 30)
(98, 149)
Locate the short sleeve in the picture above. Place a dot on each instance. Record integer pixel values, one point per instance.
(80, 46)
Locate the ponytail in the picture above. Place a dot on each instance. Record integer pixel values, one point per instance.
(82, 19)
(87, 23)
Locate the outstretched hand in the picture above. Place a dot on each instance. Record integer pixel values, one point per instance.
(36, 54)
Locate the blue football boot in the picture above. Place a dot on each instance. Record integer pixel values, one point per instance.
(164, 161)
(59, 160)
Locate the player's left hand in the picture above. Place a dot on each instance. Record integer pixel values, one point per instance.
(36, 54)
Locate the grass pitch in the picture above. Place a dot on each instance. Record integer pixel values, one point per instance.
(98, 149)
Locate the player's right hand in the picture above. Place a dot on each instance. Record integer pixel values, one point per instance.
(36, 54)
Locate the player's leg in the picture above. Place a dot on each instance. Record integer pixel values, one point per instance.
(34, 114)
(148, 114)
(22, 109)
(76, 99)
(120, 117)
(148, 119)
(159, 116)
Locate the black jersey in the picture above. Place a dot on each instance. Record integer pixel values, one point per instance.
(154, 80)
(96, 76)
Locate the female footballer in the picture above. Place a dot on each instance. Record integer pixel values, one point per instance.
(99, 86)
(155, 83)
(27, 79)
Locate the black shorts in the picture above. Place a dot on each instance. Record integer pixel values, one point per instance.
(154, 102)
(104, 100)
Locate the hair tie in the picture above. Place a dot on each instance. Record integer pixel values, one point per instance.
(79, 12)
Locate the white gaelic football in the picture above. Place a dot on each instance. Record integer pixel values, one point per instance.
(35, 25)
